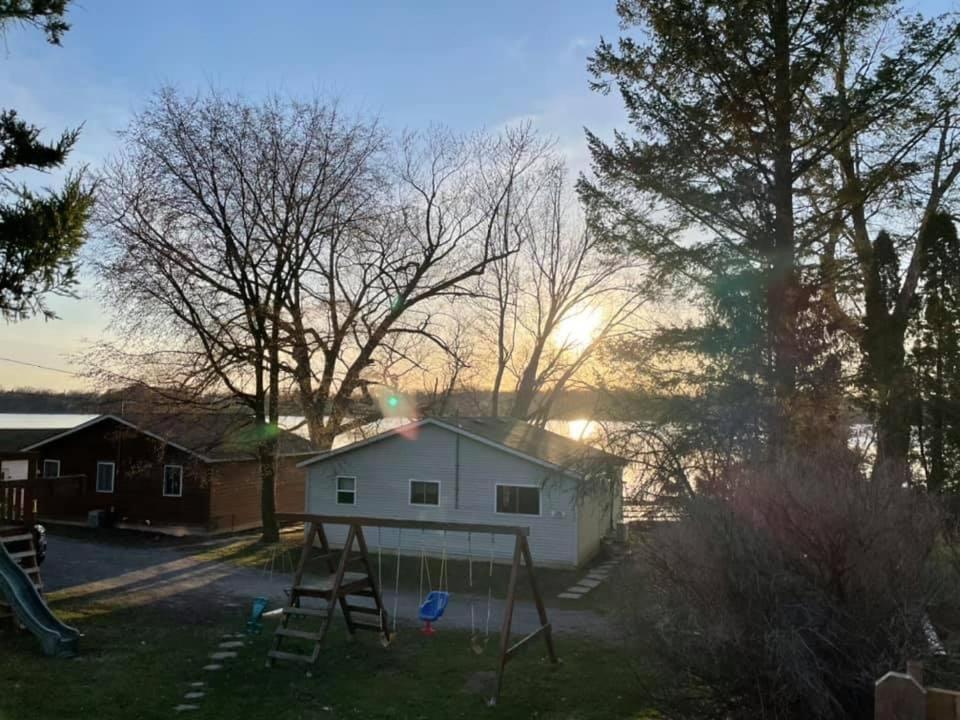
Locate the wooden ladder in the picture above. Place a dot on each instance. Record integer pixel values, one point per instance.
(337, 589)
(18, 541)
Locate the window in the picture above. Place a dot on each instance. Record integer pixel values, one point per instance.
(346, 490)
(172, 481)
(518, 499)
(105, 473)
(51, 468)
(424, 492)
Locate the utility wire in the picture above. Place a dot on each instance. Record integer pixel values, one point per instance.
(36, 365)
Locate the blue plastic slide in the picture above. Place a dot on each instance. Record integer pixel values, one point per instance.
(18, 591)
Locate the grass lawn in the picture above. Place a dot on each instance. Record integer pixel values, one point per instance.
(138, 664)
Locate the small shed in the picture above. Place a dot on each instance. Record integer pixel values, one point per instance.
(473, 470)
(184, 472)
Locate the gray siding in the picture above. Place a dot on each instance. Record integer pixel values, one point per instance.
(383, 470)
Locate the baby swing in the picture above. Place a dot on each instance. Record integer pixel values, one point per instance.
(431, 609)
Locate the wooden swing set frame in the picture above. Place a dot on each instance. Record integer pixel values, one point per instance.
(337, 591)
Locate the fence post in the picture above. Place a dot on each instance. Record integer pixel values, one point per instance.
(898, 696)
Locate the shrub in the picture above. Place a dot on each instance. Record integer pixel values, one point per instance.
(787, 594)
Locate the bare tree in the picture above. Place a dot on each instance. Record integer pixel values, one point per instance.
(371, 294)
(204, 216)
(556, 302)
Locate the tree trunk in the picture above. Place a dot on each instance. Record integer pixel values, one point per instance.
(782, 279)
(267, 452)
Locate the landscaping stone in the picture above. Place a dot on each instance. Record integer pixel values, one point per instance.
(225, 655)
(213, 667)
(581, 588)
(598, 575)
(569, 596)
(589, 582)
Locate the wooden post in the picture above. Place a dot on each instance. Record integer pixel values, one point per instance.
(507, 620)
(898, 696)
(307, 544)
(538, 601)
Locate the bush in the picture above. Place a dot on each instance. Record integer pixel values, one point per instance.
(787, 594)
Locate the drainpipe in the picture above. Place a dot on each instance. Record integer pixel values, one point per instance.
(456, 472)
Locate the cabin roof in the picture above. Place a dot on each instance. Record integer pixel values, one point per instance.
(511, 435)
(213, 437)
(15, 439)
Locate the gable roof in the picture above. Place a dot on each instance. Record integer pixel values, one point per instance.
(15, 439)
(212, 437)
(510, 435)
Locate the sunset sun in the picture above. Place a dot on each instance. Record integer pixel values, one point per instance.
(579, 329)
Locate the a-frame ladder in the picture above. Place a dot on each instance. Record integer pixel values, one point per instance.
(338, 589)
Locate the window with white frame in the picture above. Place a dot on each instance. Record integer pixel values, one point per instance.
(424, 492)
(346, 490)
(51, 468)
(105, 477)
(172, 480)
(518, 499)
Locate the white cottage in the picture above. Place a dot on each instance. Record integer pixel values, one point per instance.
(473, 470)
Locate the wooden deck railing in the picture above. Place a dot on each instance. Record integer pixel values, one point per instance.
(23, 501)
(18, 506)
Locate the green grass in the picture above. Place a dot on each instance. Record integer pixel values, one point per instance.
(139, 663)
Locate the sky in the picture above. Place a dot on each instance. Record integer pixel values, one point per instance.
(468, 66)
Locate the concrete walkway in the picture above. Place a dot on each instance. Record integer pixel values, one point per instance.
(181, 578)
(588, 582)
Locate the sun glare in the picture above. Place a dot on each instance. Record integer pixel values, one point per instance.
(581, 429)
(579, 329)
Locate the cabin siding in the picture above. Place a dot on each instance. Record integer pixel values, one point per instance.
(138, 477)
(467, 494)
(235, 492)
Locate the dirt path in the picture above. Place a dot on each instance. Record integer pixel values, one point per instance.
(187, 580)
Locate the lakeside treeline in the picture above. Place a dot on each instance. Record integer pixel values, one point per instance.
(574, 404)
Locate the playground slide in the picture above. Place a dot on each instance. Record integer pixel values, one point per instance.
(56, 638)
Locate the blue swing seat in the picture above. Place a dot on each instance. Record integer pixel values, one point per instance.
(433, 607)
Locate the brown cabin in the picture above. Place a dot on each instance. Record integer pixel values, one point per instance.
(184, 472)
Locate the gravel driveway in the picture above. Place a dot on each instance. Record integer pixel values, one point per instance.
(181, 578)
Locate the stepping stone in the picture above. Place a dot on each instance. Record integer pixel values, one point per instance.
(590, 583)
(201, 683)
(598, 574)
(569, 596)
(186, 708)
(213, 666)
(225, 655)
(231, 644)
(582, 589)
(193, 695)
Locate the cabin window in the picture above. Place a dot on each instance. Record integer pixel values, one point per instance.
(172, 480)
(51, 468)
(424, 492)
(346, 490)
(105, 476)
(518, 499)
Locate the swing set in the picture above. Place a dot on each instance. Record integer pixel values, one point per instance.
(343, 585)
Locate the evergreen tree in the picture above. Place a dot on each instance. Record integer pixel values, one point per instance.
(734, 174)
(40, 232)
(936, 358)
